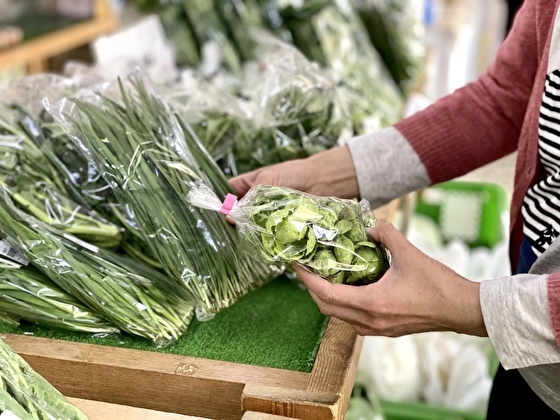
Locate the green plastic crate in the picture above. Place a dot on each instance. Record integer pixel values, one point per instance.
(470, 211)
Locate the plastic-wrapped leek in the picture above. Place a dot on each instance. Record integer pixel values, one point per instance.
(28, 395)
(27, 294)
(118, 290)
(143, 152)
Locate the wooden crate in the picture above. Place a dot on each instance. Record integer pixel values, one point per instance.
(96, 410)
(201, 387)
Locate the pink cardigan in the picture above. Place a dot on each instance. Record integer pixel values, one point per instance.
(493, 117)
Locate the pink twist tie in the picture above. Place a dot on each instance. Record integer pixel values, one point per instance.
(228, 203)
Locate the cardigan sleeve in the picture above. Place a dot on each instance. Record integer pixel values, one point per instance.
(480, 122)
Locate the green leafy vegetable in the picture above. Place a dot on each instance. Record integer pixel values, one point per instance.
(326, 234)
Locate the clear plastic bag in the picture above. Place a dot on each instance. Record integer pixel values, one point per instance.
(26, 294)
(325, 234)
(291, 111)
(28, 395)
(357, 67)
(136, 299)
(149, 157)
(40, 174)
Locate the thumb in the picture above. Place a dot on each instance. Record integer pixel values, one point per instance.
(241, 184)
(390, 237)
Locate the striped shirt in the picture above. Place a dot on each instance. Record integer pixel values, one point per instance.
(541, 205)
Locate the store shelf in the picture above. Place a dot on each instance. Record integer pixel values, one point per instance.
(35, 52)
(201, 387)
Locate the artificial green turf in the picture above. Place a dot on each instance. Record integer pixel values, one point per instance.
(276, 326)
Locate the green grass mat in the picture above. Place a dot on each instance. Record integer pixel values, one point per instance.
(276, 326)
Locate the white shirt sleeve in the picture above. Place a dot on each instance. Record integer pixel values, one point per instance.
(387, 167)
(515, 311)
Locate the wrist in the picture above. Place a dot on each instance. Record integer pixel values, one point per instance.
(335, 173)
(469, 314)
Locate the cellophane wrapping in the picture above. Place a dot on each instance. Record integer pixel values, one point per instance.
(150, 157)
(325, 234)
(136, 299)
(27, 395)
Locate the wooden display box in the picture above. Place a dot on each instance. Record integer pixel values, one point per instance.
(199, 387)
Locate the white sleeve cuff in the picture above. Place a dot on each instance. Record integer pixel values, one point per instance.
(387, 167)
(515, 311)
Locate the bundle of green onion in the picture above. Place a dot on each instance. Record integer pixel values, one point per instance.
(120, 292)
(151, 163)
(86, 186)
(28, 395)
(27, 294)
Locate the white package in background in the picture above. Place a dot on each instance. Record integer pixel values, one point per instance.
(143, 45)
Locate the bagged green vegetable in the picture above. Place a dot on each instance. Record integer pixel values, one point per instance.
(396, 30)
(150, 158)
(325, 234)
(27, 395)
(135, 298)
(291, 111)
(27, 294)
(356, 66)
(28, 171)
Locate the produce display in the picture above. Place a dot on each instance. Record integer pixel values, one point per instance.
(149, 159)
(110, 284)
(328, 33)
(395, 29)
(27, 395)
(326, 234)
(95, 228)
(28, 294)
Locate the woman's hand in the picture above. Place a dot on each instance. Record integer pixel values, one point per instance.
(330, 173)
(417, 294)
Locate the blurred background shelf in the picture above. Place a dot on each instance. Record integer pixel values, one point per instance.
(46, 38)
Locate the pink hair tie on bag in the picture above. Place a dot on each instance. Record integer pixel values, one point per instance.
(228, 204)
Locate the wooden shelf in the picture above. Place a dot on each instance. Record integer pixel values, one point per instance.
(35, 52)
(190, 386)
